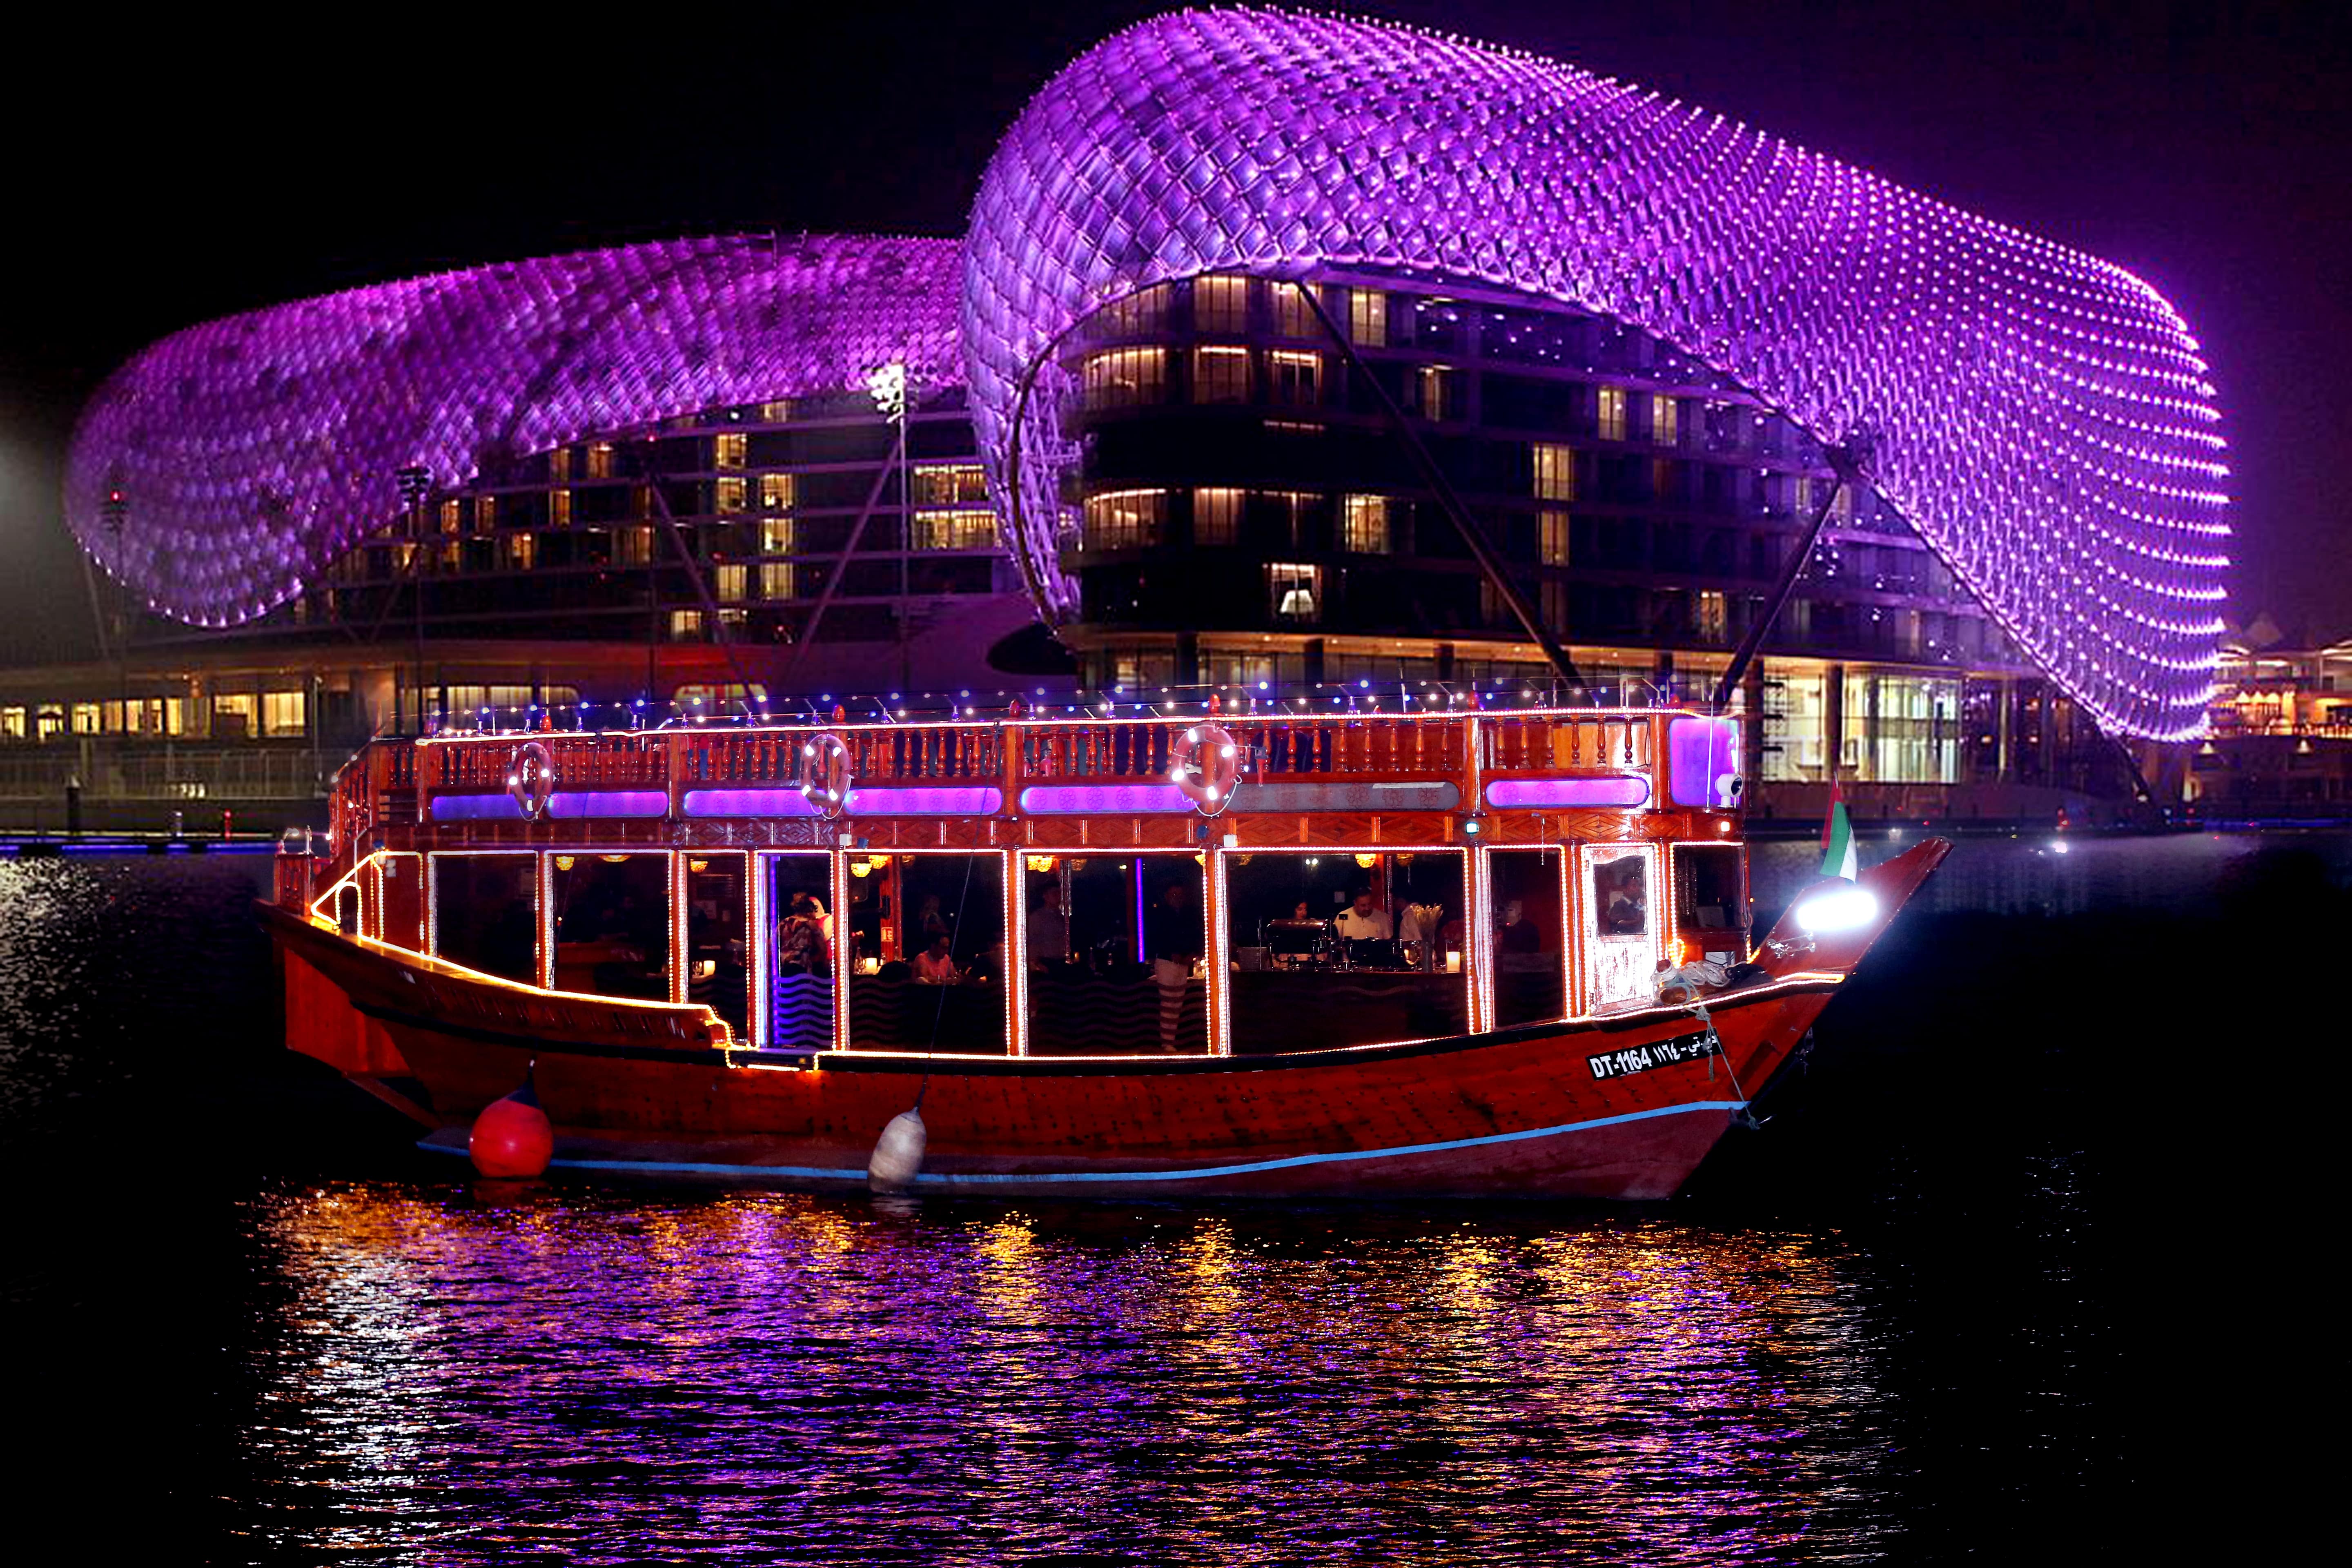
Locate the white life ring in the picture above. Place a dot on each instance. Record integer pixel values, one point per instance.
(1206, 764)
(530, 779)
(824, 773)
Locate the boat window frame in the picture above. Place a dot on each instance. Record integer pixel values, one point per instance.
(1590, 856)
(763, 935)
(1016, 956)
(544, 957)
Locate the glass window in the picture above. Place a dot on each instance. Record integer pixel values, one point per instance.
(1221, 374)
(600, 460)
(685, 626)
(12, 723)
(1552, 535)
(1364, 525)
(1665, 420)
(1555, 471)
(1294, 589)
(1297, 376)
(776, 580)
(939, 981)
(521, 551)
(1433, 392)
(731, 582)
(1710, 903)
(966, 529)
(486, 513)
(1216, 516)
(86, 718)
(1116, 944)
(613, 924)
(729, 448)
(633, 546)
(730, 494)
(950, 485)
(282, 713)
(559, 508)
(1523, 919)
(719, 938)
(778, 492)
(1612, 413)
(485, 913)
(1292, 318)
(1220, 304)
(1125, 378)
(803, 934)
(1368, 318)
(1711, 619)
(779, 536)
(1144, 312)
(1125, 520)
(1620, 942)
(235, 715)
(1344, 948)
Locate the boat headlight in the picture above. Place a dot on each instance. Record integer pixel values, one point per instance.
(1836, 908)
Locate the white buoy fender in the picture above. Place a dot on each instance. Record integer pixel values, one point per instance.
(897, 1154)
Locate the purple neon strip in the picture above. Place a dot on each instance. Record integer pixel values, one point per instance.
(573, 807)
(1066, 800)
(748, 803)
(930, 801)
(499, 807)
(1702, 757)
(1616, 791)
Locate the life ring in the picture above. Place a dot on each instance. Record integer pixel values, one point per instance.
(530, 779)
(824, 773)
(1206, 764)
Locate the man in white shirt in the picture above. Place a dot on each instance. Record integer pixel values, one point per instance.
(1360, 922)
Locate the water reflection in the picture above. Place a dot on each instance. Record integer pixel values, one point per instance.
(471, 1373)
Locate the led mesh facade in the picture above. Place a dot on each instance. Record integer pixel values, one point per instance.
(2041, 417)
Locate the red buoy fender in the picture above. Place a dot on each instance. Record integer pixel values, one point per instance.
(512, 1137)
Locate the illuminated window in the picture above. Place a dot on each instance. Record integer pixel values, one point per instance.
(1613, 414)
(1433, 392)
(1292, 317)
(1220, 304)
(1125, 378)
(1842, 509)
(1297, 377)
(1364, 525)
(233, 714)
(521, 551)
(970, 528)
(1221, 374)
(778, 492)
(729, 448)
(486, 513)
(1711, 616)
(1666, 421)
(282, 713)
(950, 485)
(776, 411)
(1125, 520)
(1145, 311)
(1555, 471)
(779, 536)
(49, 723)
(1368, 318)
(559, 508)
(559, 465)
(732, 493)
(12, 723)
(1216, 516)
(600, 460)
(1800, 495)
(776, 580)
(1295, 590)
(449, 557)
(730, 583)
(1552, 534)
(450, 520)
(685, 626)
(633, 547)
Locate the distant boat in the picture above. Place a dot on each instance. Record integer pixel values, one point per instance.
(697, 943)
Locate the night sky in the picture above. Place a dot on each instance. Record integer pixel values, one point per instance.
(164, 173)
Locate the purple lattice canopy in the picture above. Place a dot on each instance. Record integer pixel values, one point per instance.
(230, 463)
(2041, 417)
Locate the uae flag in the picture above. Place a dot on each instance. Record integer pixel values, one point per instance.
(1837, 837)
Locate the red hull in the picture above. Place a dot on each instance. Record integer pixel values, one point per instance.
(1516, 1112)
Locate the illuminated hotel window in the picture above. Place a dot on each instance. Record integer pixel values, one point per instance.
(1295, 590)
(1800, 495)
(1126, 378)
(729, 448)
(1433, 392)
(1125, 520)
(600, 460)
(732, 494)
(1368, 318)
(450, 521)
(950, 485)
(731, 582)
(48, 722)
(282, 713)
(775, 580)
(559, 508)
(1666, 421)
(1220, 304)
(1842, 509)
(1555, 471)
(1221, 374)
(967, 529)
(523, 551)
(1712, 617)
(1216, 516)
(776, 412)
(234, 714)
(1613, 414)
(1145, 311)
(685, 626)
(12, 723)
(449, 557)
(779, 536)
(1240, 669)
(486, 513)
(1297, 376)
(1552, 535)
(1292, 319)
(778, 492)
(1364, 525)
(633, 547)
(559, 465)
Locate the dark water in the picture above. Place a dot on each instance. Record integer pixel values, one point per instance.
(2035, 1261)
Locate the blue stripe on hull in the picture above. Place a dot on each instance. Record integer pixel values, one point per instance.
(1194, 1174)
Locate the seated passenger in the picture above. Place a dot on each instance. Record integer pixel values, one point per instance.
(1360, 922)
(800, 947)
(935, 966)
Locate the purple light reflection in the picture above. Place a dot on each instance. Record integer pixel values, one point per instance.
(1065, 800)
(1614, 791)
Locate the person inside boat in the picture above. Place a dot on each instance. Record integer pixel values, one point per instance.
(935, 966)
(1519, 934)
(801, 945)
(1049, 930)
(1365, 930)
(1629, 910)
(1173, 932)
(928, 919)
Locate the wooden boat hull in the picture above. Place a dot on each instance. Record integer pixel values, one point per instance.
(1616, 1106)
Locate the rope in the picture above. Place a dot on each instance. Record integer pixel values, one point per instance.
(1745, 1117)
